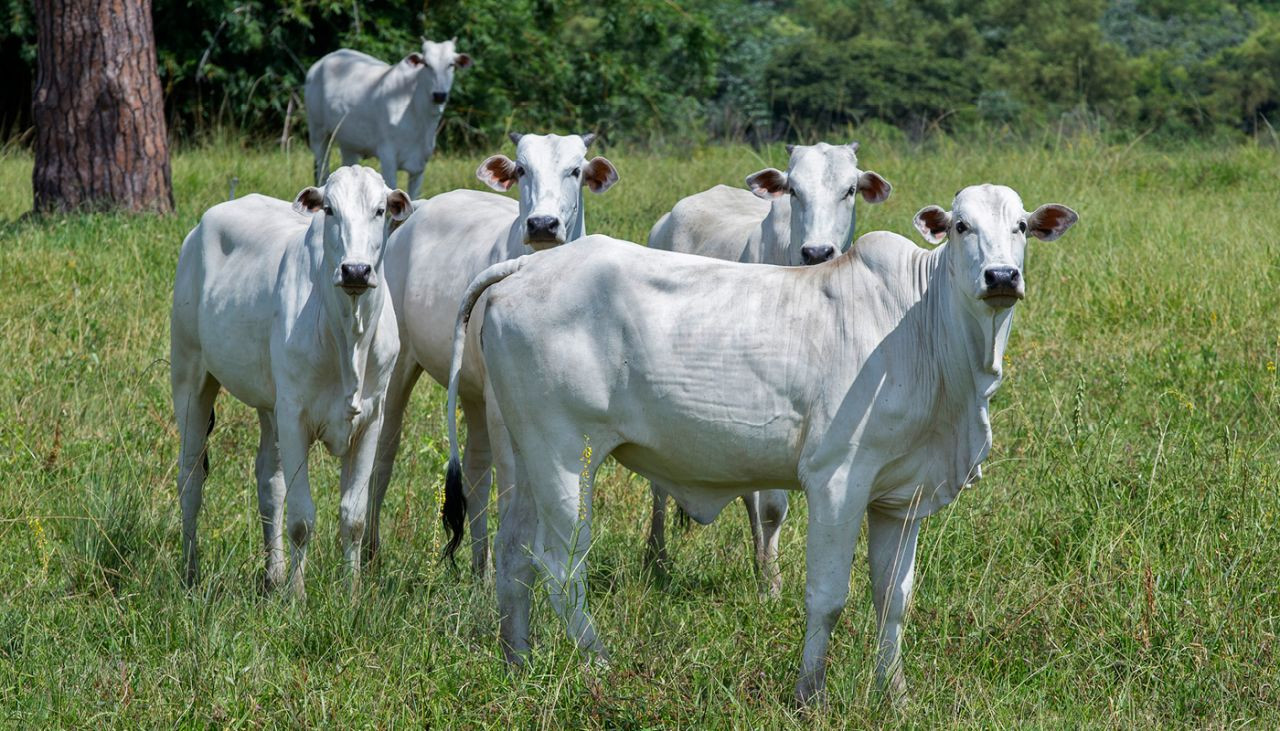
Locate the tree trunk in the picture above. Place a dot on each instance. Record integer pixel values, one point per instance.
(101, 141)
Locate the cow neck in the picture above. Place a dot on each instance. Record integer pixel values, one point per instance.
(416, 91)
(349, 322)
(775, 233)
(969, 342)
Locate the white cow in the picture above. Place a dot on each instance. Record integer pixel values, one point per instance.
(808, 219)
(286, 309)
(864, 381)
(370, 109)
(448, 240)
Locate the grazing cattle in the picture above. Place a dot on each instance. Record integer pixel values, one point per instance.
(371, 109)
(864, 381)
(450, 239)
(285, 307)
(808, 219)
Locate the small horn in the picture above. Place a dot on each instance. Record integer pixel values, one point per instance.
(453, 39)
(515, 136)
(588, 138)
(790, 148)
(424, 39)
(853, 145)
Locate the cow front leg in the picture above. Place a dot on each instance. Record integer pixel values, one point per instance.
(655, 557)
(835, 515)
(301, 519)
(415, 183)
(271, 492)
(389, 162)
(891, 556)
(353, 503)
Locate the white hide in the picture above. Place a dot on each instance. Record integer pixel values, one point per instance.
(809, 208)
(283, 306)
(367, 108)
(448, 240)
(864, 382)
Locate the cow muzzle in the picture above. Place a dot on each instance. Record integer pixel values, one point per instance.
(817, 253)
(1002, 287)
(543, 230)
(439, 97)
(356, 278)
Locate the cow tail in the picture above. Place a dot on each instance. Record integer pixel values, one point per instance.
(454, 510)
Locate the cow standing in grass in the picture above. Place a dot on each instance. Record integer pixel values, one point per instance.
(368, 108)
(448, 240)
(805, 215)
(286, 307)
(864, 382)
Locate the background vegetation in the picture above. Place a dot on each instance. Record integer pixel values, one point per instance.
(1116, 567)
(676, 71)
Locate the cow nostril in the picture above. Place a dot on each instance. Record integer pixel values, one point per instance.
(542, 226)
(1001, 277)
(440, 97)
(356, 273)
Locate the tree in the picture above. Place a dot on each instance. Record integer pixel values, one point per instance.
(100, 138)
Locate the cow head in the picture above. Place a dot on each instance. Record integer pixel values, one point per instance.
(988, 230)
(823, 182)
(358, 209)
(436, 64)
(551, 171)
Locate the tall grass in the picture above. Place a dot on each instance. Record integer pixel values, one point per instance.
(1117, 566)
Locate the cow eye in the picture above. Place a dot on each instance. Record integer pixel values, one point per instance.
(851, 192)
(962, 227)
(575, 172)
(519, 171)
(378, 213)
(1022, 227)
(328, 210)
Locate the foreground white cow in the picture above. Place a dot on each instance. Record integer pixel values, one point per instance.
(367, 108)
(865, 382)
(810, 217)
(448, 240)
(287, 310)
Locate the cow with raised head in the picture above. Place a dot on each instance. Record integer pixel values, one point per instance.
(286, 307)
(864, 382)
(805, 215)
(368, 108)
(449, 239)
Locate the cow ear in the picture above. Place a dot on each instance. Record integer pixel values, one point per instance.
(462, 61)
(933, 223)
(874, 189)
(309, 200)
(599, 175)
(399, 205)
(497, 172)
(414, 59)
(1051, 221)
(768, 183)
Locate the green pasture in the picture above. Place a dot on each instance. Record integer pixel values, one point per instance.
(1118, 565)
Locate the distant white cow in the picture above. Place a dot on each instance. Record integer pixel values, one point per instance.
(370, 109)
(448, 240)
(285, 309)
(864, 381)
(809, 219)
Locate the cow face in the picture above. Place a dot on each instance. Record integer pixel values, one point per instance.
(436, 63)
(823, 182)
(989, 228)
(551, 171)
(358, 210)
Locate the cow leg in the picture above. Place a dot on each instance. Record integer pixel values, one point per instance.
(891, 555)
(403, 379)
(477, 466)
(353, 503)
(350, 157)
(301, 517)
(561, 488)
(194, 392)
(270, 500)
(766, 510)
(415, 183)
(389, 163)
(513, 547)
(835, 515)
(320, 148)
(656, 559)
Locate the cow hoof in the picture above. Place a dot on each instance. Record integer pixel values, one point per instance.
(810, 695)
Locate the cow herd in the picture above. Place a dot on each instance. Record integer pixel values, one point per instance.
(751, 349)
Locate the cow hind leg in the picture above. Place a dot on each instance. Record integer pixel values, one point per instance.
(271, 492)
(477, 465)
(656, 559)
(193, 397)
(514, 544)
(403, 379)
(766, 511)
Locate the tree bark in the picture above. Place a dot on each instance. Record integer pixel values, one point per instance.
(101, 141)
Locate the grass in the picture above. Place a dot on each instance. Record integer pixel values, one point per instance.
(1116, 567)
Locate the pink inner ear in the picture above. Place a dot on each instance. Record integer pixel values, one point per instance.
(498, 172)
(599, 175)
(768, 183)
